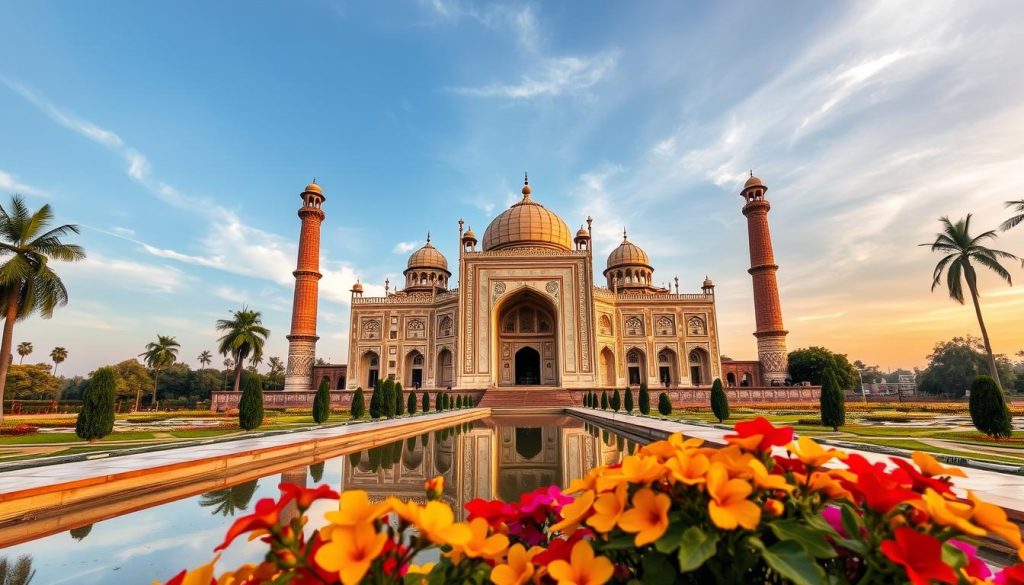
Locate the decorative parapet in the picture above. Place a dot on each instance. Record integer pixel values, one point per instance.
(525, 251)
(408, 299)
(601, 292)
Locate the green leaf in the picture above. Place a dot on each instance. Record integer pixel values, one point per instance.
(658, 570)
(812, 540)
(669, 541)
(953, 556)
(695, 548)
(852, 523)
(789, 559)
(624, 542)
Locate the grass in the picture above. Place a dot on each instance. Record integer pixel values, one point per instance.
(44, 438)
(912, 445)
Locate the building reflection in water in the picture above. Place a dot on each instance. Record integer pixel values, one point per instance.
(500, 457)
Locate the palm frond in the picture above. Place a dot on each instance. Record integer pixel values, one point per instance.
(954, 281)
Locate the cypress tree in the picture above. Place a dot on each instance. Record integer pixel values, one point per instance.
(645, 399)
(96, 420)
(358, 404)
(458, 401)
(399, 399)
(447, 401)
(719, 400)
(604, 400)
(316, 472)
(375, 409)
(439, 401)
(411, 405)
(664, 404)
(833, 404)
(426, 401)
(593, 400)
(250, 406)
(989, 412)
(387, 398)
(616, 401)
(629, 401)
(322, 402)
(467, 401)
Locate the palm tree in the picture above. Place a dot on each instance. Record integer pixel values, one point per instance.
(1018, 209)
(158, 355)
(228, 364)
(254, 363)
(244, 336)
(24, 349)
(58, 355)
(961, 249)
(205, 358)
(27, 283)
(276, 369)
(229, 501)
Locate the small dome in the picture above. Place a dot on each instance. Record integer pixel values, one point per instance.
(428, 257)
(313, 188)
(708, 283)
(628, 254)
(582, 233)
(357, 287)
(527, 223)
(753, 182)
(469, 235)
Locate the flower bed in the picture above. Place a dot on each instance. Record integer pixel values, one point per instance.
(18, 430)
(673, 512)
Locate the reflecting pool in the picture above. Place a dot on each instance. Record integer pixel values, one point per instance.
(491, 458)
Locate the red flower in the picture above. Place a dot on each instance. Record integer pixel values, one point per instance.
(880, 490)
(391, 553)
(305, 497)
(1011, 575)
(920, 555)
(494, 511)
(549, 497)
(921, 481)
(265, 516)
(560, 549)
(768, 436)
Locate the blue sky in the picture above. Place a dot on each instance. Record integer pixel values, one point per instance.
(180, 134)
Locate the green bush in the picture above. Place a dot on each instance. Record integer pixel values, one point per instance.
(426, 401)
(458, 401)
(719, 400)
(250, 406)
(468, 401)
(387, 398)
(604, 400)
(616, 401)
(645, 399)
(375, 409)
(399, 399)
(96, 420)
(628, 401)
(988, 408)
(410, 406)
(833, 404)
(322, 402)
(358, 404)
(439, 401)
(664, 404)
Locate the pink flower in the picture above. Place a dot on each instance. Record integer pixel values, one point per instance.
(550, 497)
(975, 566)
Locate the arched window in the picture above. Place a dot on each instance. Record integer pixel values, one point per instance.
(634, 326)
(605, 325)
(445, 327)
(633, 357)
(695, 326)
(371, 329)
(666, 325)
(415, 329)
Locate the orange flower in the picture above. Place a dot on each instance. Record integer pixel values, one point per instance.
(201, 575)
(932, 468)
(827, 483)
(735, 461)
(635, 469)
(948, 513)
(993, 518)
(434, 487)
(583, 567)
(355, 509)
(648, 517)
(607, 509)
(774, 507)
(811, 453)
(688, 468)
(517, 569)
(437, 523)
(768, 481)
(574, 513)
(729, 506)
(479, 544)
(350, 552)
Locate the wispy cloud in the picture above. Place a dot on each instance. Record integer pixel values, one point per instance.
(10, 183)
(558, 76)
(131, 275)
(405, 247)
(521, 20)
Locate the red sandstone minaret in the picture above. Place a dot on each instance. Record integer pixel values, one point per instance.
(770, 334)
(302, 340)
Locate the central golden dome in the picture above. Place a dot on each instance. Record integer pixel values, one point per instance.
(527, 223)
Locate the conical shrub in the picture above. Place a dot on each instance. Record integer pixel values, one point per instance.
(645, 399)
(604, 400)
(989, 412)
(426, 401)
(628, 402)
(833, 403)
(664, 404)
(250, 406)
(358, 408)
(616, 401)
(322, 402)
(410, 405)
(719, 400)
(399, 399)
(96, 420)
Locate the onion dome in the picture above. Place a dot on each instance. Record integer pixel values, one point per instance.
(628, 254)
(314, 188)
(708, 283)
(753, 182)
(527, 224)
(357, 287)
(582, 233)
(428, 257)
(469, 237)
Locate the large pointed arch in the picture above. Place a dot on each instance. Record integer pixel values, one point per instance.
(525, 318)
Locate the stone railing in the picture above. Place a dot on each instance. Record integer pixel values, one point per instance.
(604, 293)
(340, 399)
(701, 395)
(407, 299)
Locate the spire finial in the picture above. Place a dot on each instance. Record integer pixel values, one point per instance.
(623, 233)
(428, 236)
(751, 172)
(526, 178)
(526, 186)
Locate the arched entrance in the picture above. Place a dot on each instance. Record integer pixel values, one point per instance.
(414, 369)
(371, 365)
(636, 367)
(668, 369)
(698, 367)
(607, 367)
(526, 342)
(444, 368)
(730, 379)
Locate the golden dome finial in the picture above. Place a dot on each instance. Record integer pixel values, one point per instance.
(526, 186)
(428, 236)
(624, 237)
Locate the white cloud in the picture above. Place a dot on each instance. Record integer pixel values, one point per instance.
(559, 76)
(405, 247)
(10, 184)
(150, 278)
(521, 20)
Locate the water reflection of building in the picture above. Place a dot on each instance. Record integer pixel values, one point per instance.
(494, 458)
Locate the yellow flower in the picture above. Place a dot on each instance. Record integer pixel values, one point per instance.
(355, 509)
(607, 509)
(434, 487)
(688, 467)
(201, 575)
(517, 569)
(420, 570)
(583, 567)
(993, 518)
(813, 454)
(635, 469)
(948, 513)
(573, 513)
(437, 523)
(264, 572)
(932, 468)
(828, 483)
(729, 506)
(351, 551)
(479, 544)
(734, 460)
(768, 481)
(648, 517)
(671, 447)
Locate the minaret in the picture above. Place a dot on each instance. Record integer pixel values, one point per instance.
(302, 340)
(770, 334)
